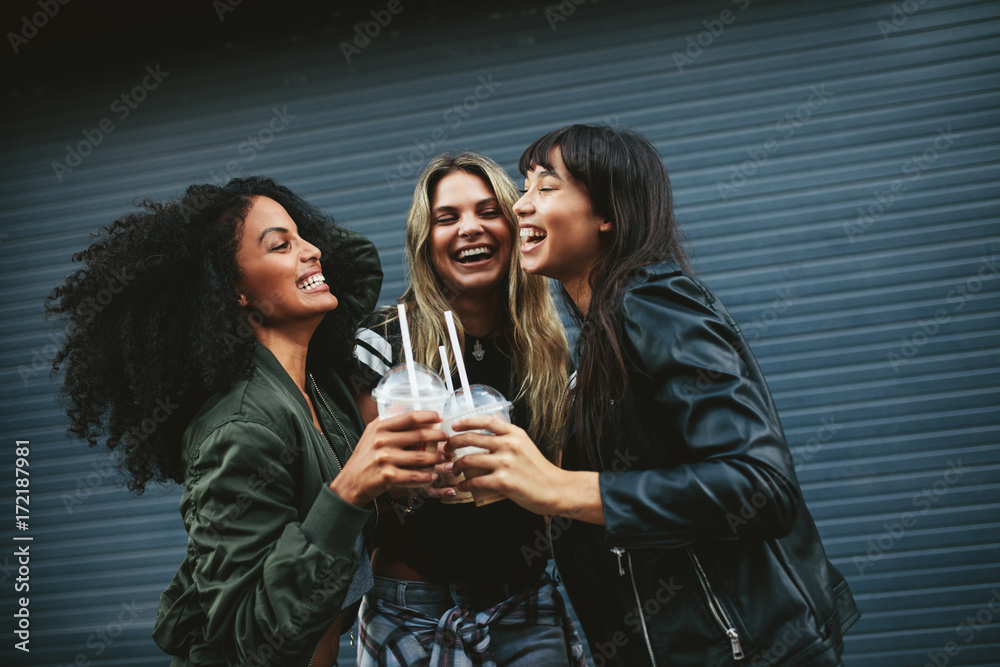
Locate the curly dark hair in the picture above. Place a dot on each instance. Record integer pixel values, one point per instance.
(153, 324)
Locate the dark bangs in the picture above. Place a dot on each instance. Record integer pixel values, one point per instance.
(589, 153)
(537, 154)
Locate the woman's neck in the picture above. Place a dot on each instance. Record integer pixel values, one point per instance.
(290, 351)
(480, 316)
(579, 290)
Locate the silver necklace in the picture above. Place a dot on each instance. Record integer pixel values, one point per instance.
(477, 350)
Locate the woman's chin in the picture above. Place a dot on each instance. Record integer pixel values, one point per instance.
(533, 266)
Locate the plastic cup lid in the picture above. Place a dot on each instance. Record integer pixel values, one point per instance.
(485, 400)
(395, 385)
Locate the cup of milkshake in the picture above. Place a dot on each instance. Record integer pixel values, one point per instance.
(395, 395)
(479, 400)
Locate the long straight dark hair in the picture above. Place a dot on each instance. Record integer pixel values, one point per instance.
(628, 185)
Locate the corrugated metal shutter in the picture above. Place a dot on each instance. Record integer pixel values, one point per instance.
(835, 170)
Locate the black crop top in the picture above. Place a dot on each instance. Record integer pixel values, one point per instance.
(446, 543)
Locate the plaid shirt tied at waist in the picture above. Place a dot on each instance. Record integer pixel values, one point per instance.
(393, 636)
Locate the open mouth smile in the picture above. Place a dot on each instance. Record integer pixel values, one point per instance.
(475, 255)
(531, 236)
(312, 282)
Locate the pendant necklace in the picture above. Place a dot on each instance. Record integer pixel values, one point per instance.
(477, 350)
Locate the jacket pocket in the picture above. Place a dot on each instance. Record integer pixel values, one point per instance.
(723, 619)
(625, 562)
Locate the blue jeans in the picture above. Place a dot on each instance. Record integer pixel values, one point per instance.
(519, 644)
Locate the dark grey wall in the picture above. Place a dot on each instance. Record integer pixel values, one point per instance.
(835, 170)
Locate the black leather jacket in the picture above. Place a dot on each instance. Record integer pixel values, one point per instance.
(709, 555)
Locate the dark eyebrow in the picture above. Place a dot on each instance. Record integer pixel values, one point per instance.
(269, 230)
(546, 172)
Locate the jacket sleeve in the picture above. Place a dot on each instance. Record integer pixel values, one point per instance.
(268, 583)
(706, 406)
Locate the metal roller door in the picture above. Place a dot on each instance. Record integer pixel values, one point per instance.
(835, 170)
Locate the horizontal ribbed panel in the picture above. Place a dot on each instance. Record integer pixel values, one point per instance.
(880, 402)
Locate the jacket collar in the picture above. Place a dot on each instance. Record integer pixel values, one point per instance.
(265, 360)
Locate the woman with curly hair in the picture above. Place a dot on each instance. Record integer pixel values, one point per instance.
(192, 331)
(459, 584)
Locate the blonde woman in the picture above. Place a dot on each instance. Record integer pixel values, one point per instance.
(454, 583)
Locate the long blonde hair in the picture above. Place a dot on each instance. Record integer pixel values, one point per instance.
(530, 323)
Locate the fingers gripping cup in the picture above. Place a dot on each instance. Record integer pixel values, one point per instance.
(395, 395)
(484, 401)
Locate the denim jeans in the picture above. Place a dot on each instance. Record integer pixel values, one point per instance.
(515, 645)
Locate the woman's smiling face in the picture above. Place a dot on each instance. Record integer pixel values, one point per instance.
(470, 239)
(282, 277)
(560, 233)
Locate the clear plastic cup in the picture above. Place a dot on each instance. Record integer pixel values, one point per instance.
(394, 396)
(485, 401)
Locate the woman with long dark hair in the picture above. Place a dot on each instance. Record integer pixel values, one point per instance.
(458, 584)
(678, 523)
(196, 366)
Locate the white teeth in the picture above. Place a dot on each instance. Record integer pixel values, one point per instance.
(312, 281)
(531, 234)
(473, 251)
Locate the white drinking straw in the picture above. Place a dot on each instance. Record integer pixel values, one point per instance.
(411, 370)
(456, 349)
(446, 369)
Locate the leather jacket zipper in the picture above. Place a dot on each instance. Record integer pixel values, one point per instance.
(715, 606)
(619, 552)
(343, 433)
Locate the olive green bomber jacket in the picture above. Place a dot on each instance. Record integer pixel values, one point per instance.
(270, 550)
